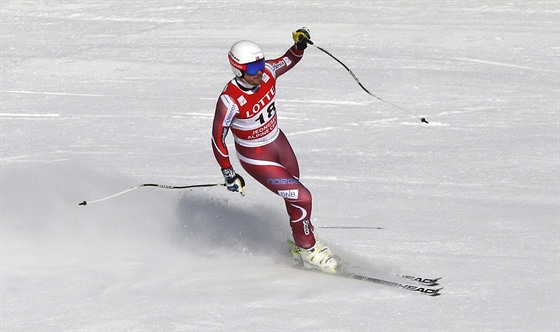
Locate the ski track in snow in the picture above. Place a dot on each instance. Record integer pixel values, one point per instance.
(55, 93)
(492, 63)
(101, 96)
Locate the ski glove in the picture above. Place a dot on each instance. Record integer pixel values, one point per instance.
(234, 181)
(301, 37)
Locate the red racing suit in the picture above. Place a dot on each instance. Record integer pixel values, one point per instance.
(262, 148)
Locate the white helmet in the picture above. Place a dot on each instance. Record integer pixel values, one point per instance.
(242, 53)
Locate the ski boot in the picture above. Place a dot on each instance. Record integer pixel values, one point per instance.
(318, 257)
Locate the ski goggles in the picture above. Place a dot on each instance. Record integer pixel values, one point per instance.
(254, 67)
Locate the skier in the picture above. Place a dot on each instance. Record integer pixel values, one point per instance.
(247, 107)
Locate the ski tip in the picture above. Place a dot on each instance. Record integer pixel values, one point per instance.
(434, 282)
(435, 292)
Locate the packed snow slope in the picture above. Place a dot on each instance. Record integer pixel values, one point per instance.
(100, 96)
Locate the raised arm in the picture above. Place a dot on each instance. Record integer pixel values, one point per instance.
(293, 55)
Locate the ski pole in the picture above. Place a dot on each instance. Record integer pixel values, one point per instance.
(151, 185)
(363, 87)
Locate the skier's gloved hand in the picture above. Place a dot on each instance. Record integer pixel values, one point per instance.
(301, 37)
(234, 181)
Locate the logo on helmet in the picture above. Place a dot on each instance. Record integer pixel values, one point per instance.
(233, 56)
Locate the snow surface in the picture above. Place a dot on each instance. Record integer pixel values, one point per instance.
(99, 96)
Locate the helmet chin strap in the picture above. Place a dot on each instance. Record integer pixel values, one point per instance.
(244, 85)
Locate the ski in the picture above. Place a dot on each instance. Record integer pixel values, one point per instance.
(423, 289)
(424, 285)
(421, 280)
(430, 282)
